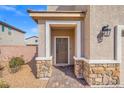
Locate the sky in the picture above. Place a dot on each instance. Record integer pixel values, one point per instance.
(18, 17)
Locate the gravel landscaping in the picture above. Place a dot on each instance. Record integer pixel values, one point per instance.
(24, 78)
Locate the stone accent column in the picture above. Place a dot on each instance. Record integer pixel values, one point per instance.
(81, 68)
(44, 67)
(78, 71)
(43, 61)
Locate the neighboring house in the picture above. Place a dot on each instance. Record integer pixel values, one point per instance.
(89, 37)
(31, 41)
(10, 35)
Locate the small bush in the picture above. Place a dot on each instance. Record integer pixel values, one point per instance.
(3, 84)
(15, 62)
(20, 60)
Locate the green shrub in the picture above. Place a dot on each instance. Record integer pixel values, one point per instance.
(20, 60)
(3, 84)
(16, 61)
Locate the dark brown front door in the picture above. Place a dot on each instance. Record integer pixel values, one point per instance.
(61, 50)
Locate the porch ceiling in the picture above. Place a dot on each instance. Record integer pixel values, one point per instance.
(56, 15)
(63, 26)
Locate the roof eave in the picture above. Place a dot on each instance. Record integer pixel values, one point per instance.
(33, 11)
(56, 15)
(3, 23)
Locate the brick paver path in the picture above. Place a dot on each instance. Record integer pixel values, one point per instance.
(63, 77)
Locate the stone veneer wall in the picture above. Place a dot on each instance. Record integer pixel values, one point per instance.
(78, 68)
(99, 74)
(44, 68)
(106, 74)
(86, 68)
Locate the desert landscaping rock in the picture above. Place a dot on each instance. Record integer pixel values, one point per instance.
(24, 78)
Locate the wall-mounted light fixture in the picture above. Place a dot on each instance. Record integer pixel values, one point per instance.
(106, 31)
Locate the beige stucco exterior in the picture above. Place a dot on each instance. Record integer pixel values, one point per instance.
(16, 37)
(86, 35)
(61, 8)
(41, 43)
(95, 56)
(100, 16)
(67, 8)
(93, 22)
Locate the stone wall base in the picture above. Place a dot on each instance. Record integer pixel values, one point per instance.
(78, 71)
(44, 68)
(98, 74)
(104, 74)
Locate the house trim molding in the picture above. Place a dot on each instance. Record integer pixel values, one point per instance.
(118, 50)
(77, 35)
(102, 61)
(43, 58)
(118, 42)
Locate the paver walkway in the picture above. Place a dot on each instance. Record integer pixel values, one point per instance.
(63, 77)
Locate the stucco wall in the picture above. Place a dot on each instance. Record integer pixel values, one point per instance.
(28, 52)
(97, 17)
(16, 38)
(81, 8)
(122, 64)
(101, 16)
(41, 39)
(86, 34)
(52, 7)
(60, 8)
(67, 8)
(65, 32)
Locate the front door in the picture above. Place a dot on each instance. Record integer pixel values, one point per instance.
(61, 50)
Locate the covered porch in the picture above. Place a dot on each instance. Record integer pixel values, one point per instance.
(60, 38)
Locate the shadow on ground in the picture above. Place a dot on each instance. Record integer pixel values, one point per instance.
(63, 77)
(32, 63)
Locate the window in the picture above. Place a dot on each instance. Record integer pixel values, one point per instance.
(3, 28)
(36, 41)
